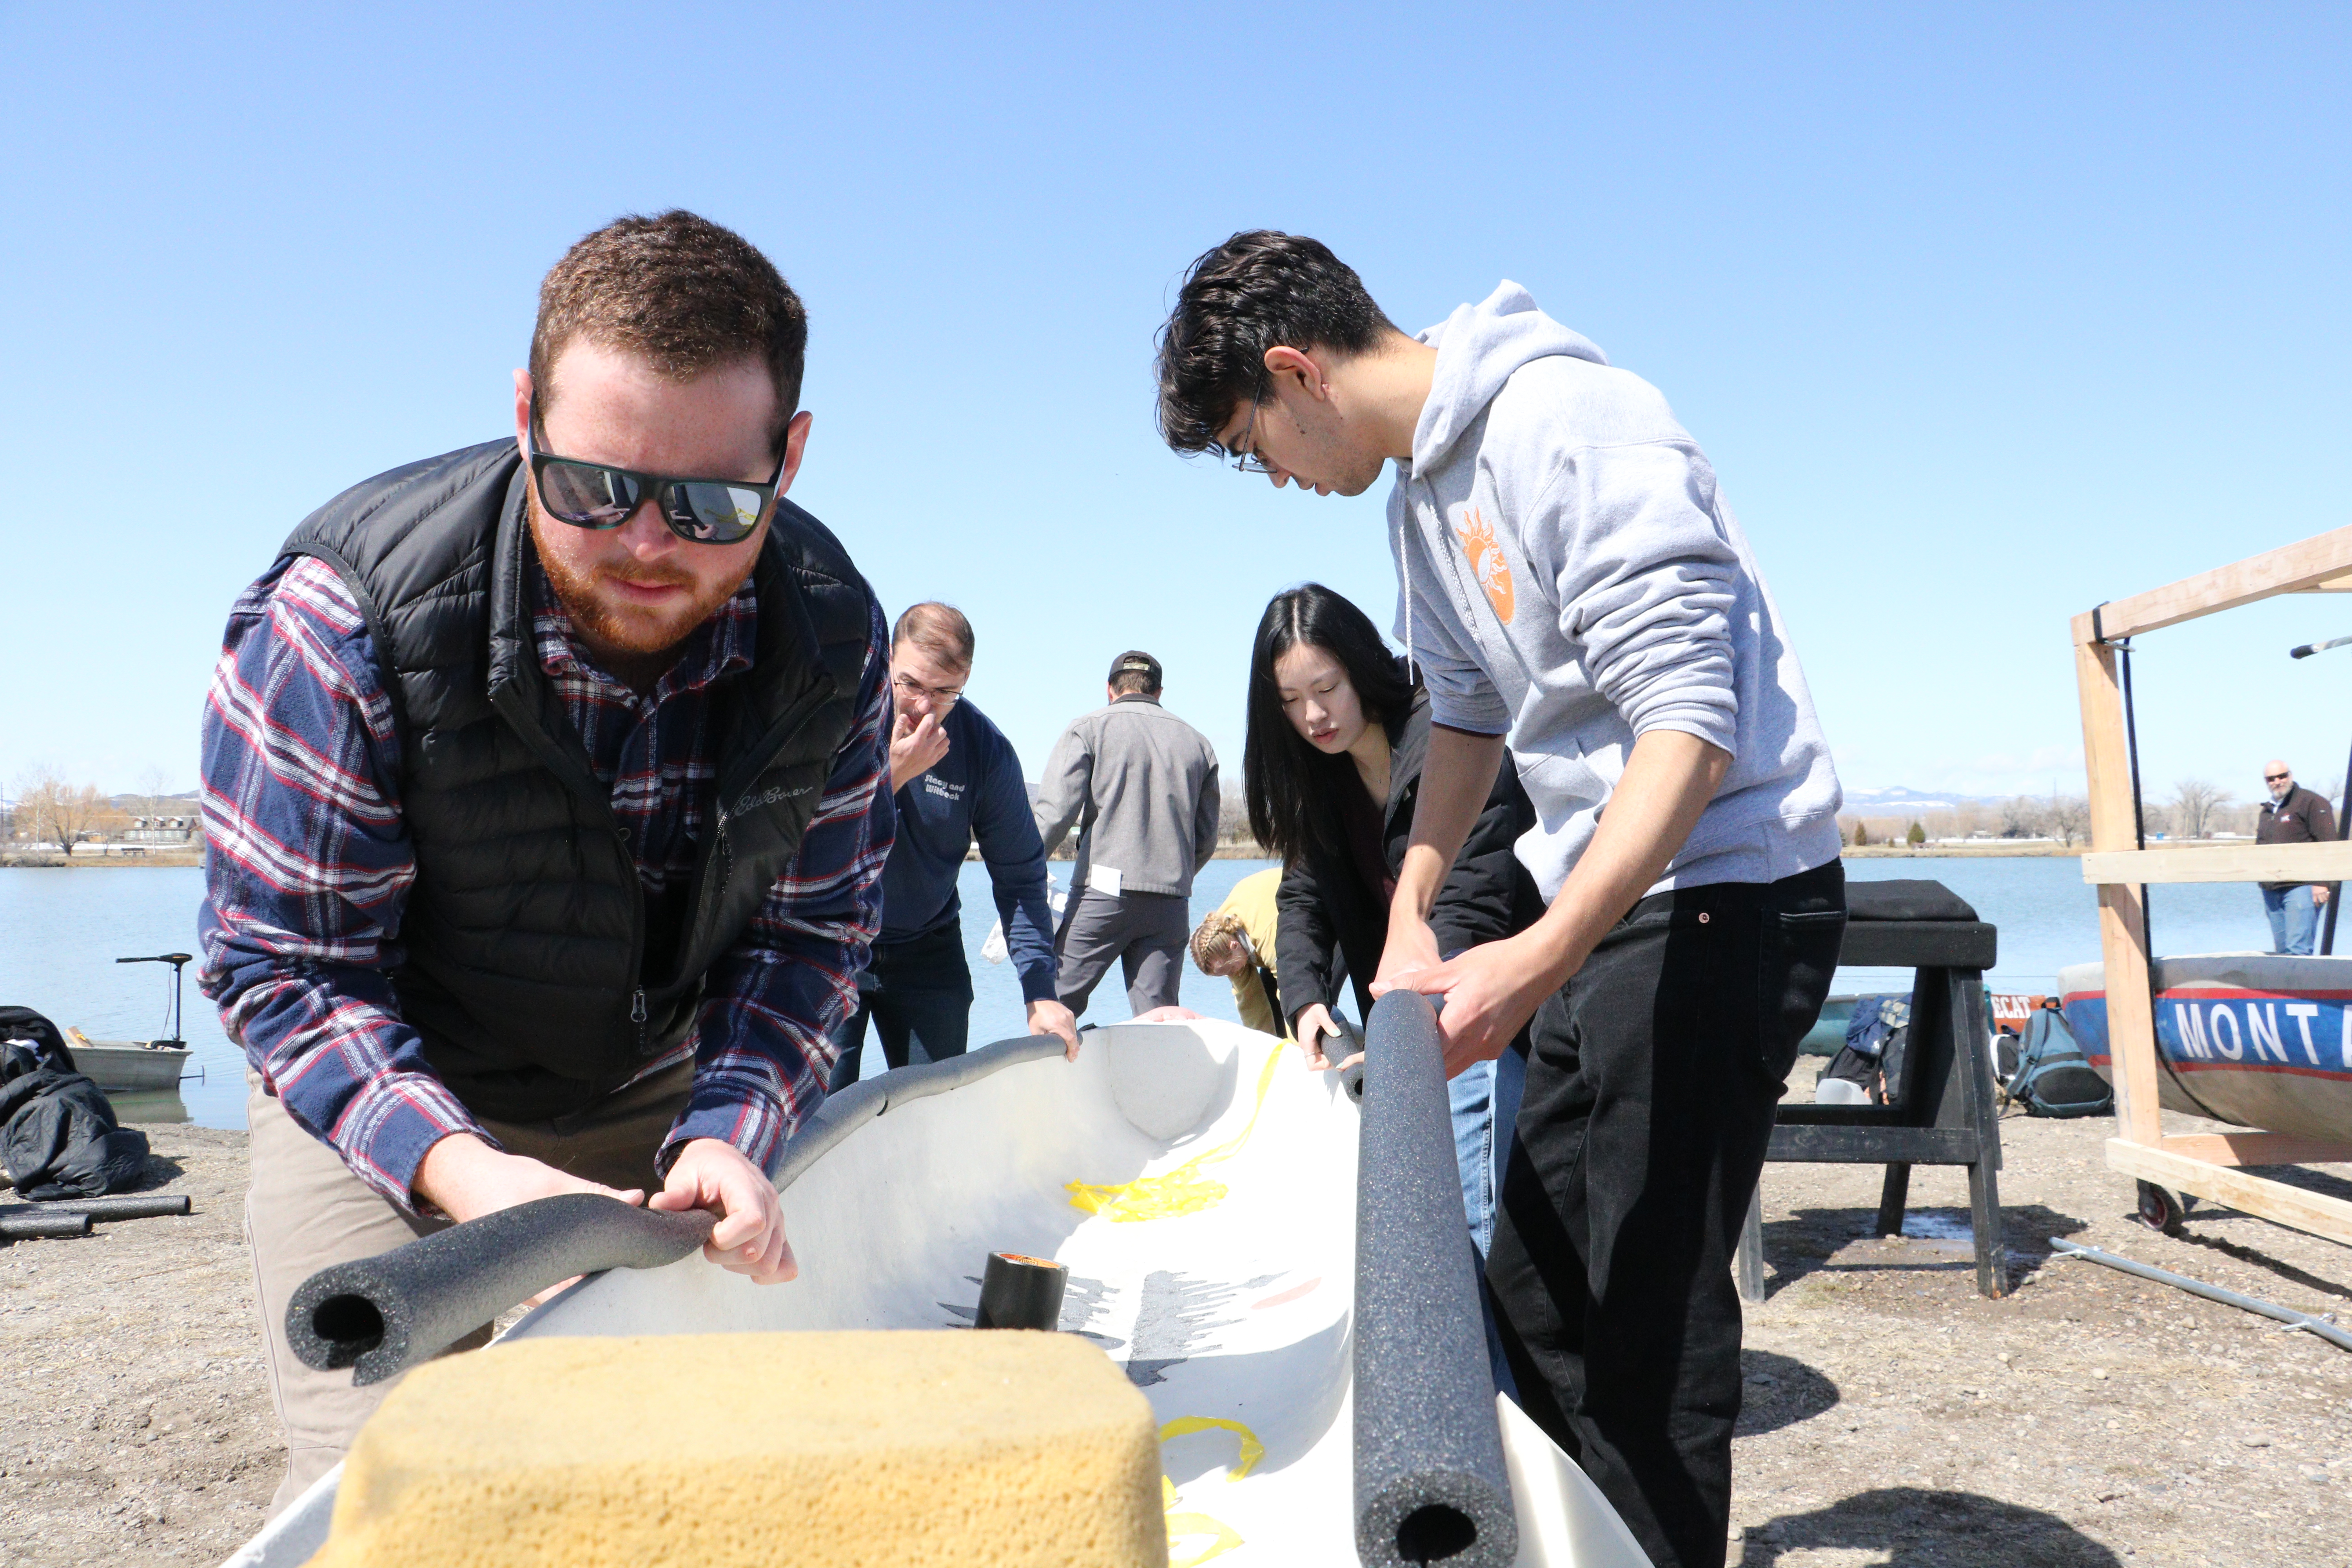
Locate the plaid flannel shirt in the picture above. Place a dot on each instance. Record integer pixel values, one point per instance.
(308, 869)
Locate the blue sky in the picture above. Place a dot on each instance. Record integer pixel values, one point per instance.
(1984, 314)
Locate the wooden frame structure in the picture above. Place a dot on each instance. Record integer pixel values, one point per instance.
(2209, 1166)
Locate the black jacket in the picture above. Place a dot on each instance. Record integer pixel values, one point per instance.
(1326, 909)
(533, 968)
(2303, 817)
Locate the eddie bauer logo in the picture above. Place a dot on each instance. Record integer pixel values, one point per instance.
(1478, 542)
(770, 798)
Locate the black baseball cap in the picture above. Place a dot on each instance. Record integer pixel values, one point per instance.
(1134, 661)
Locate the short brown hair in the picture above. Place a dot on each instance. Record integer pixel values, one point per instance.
(682, 293)
(1135, 672)
(938, 629)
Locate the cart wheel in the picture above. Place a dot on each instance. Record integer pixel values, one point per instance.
(2161, 1208)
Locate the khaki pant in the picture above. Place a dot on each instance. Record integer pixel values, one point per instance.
(305, 1211)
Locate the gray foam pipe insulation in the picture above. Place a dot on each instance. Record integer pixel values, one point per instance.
(1430, 1485)
(381, 1315)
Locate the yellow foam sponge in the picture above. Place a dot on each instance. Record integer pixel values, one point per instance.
(896, 1449)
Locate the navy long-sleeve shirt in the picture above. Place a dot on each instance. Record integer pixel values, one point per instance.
(974, 792)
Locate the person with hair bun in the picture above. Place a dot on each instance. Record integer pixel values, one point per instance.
(1238, 941)
(1337, 728)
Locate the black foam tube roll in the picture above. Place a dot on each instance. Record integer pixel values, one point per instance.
(381, 1315)
(125, 1206)
(1430, 1485)
(42, 1227)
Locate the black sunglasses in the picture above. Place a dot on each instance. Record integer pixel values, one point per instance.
(598, 495)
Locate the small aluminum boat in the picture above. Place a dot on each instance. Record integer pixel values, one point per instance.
(128, 1066)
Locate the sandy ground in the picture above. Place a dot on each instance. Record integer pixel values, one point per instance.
(1894, 1416)
(134, 1424)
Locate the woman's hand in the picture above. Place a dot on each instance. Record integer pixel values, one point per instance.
(1311, 1028)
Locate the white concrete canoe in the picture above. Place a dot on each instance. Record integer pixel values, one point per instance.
(1199, 1184)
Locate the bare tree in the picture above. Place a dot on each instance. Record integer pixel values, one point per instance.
(52, 810)
(154, 799)
(2067, 816)
(2194, 804)
(2021, 817)
(1233, 824)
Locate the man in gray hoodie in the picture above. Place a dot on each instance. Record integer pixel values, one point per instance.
(1572, 586)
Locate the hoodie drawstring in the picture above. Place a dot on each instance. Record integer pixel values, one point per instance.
(1404, 565)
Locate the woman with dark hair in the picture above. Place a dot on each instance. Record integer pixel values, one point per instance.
(1338, 730)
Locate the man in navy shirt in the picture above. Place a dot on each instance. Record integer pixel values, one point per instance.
(955, 778)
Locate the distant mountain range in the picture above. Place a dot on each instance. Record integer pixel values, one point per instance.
(1889, 801)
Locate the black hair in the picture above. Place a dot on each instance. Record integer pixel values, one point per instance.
(1292, 787)
(1260, 290)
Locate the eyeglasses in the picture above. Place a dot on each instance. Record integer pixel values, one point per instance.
(909, 686)
(2275, 778)
(1245, 458)
(600, 496)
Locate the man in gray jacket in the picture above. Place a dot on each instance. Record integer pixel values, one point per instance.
(1574, 588)
(1141, 785)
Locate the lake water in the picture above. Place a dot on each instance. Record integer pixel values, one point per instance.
(60, 932)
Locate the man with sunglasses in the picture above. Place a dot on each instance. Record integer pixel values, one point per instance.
(957, 781)
(545, 802)
(2292, 814)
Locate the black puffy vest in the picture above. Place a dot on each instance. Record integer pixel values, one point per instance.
(528, 967)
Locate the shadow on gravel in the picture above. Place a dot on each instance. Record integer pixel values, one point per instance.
(1810, 1241)
(160, 1171)
(2253, 1258)
(1780, 1391)
(1916, 1528)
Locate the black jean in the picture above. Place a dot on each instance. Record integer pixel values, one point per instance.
(919, 991)
(1652, 1079)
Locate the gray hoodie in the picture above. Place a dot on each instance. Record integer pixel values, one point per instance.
(1571, 577)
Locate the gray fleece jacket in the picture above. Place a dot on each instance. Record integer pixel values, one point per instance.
(1571, 576)
(1141, 785)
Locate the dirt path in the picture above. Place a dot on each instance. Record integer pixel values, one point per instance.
(1894, 1416)
(134, 1424)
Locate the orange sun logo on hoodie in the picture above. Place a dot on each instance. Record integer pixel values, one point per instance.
(1477, 536)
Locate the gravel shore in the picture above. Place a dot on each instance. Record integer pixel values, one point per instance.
(134, 1424)
(1893, 1416)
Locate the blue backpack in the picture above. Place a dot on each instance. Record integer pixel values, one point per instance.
(2052, 1077)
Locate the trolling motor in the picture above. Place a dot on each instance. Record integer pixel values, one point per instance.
(175, 960)
(2343, 818)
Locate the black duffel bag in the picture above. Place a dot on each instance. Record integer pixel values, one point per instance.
(58, 1138)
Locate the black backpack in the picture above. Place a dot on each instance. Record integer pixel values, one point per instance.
(2052, 1077)
(1877, 1040)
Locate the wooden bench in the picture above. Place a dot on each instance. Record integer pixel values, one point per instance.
(1945, 1113)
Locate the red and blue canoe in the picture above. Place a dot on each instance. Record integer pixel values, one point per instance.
(2252, 1039)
